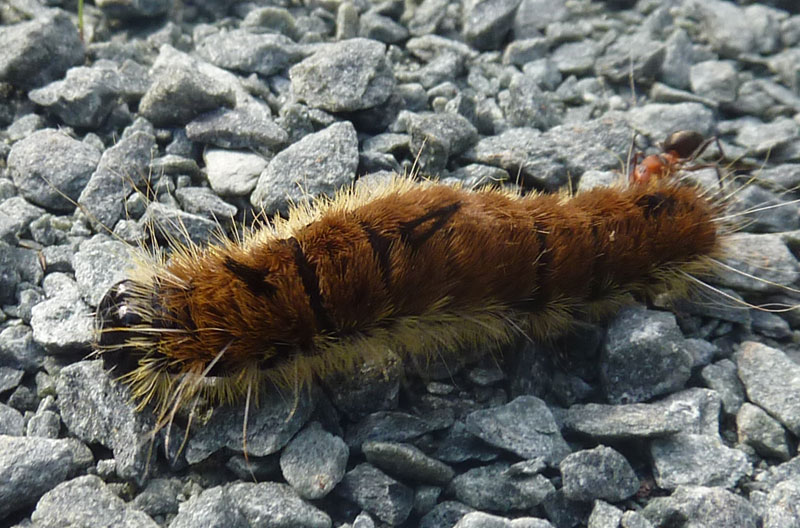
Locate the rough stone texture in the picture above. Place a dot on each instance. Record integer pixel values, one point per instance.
(171, 224)
(706, 507)
(772, 382)
(761, 431)
(29, 467)
(87, 501)
(242, 505)
(97, 409)
(783, 506)
(314, 461)
(62, 323)
(48, 163)
(270, 426)
(233, 173)
(496, 488)
(39, 51)
(763, 256)
(701, 460)
(320, 163)
(247, 52)
(407, 462)
(604, 515)
(134, 9)
(643, 356)
(349, 75)
(181, 90)
(121, 169)
(486, 22)
(379, 494)
(599, 473)
(387, 426)
(525, 426)
(484, 520)
(100, 263)
(86, 97)
(248, 126)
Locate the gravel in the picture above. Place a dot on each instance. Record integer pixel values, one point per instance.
(680, 414)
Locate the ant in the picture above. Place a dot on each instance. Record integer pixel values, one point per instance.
(677, 150)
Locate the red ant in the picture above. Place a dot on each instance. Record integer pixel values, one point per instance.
(680, 148)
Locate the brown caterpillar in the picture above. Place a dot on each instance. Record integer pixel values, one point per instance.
(422, 267)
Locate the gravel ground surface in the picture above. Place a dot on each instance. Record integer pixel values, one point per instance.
(685, 416)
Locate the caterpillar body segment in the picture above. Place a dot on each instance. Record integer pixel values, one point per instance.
(423, 268)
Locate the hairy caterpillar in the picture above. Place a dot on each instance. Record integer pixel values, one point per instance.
(423, 267)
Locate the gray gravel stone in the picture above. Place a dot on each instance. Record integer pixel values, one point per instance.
(97, 409)
(765, 257)
(270, 426)
(389, 500)
(529, 105)
(63, 323)
(87, 95)
(438, 137)
(39, 51)
(44, 424)
(242, 505)
(643, 356)
(535, 15)
(248, 126)
(87, 501)
(445, 513)
(181, 90)
(599, 473)
(159, 497)
(783, 506)
(702, 506)
(387, 426)
(405, 461)
(100, 263)
(320, 163)
(524, 426)
(493, 488)
(233, 173)
(770, 324)
(9, 378)
(487, 22)
(170, 224)
(658, 120)
(203, 201)
(19, 350)
(29, 467)
(604, 515)
(122, 168)
(759, 430)
(349, 75)
(772, 381)
(716, 80)
(728, 27)
(762, 138)
(16, 214)
(48, 160)
(484, 520)
(314, 461)
(459, 445)
(721, 377)
(636, 55)
(701, 460)
(134, 9)
(243, 51)
(11, 421)
(381, 28)
(781, 215)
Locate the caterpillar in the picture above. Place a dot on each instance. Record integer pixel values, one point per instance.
(421, 267)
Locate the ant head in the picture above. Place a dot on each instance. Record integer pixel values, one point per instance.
(684, 143)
